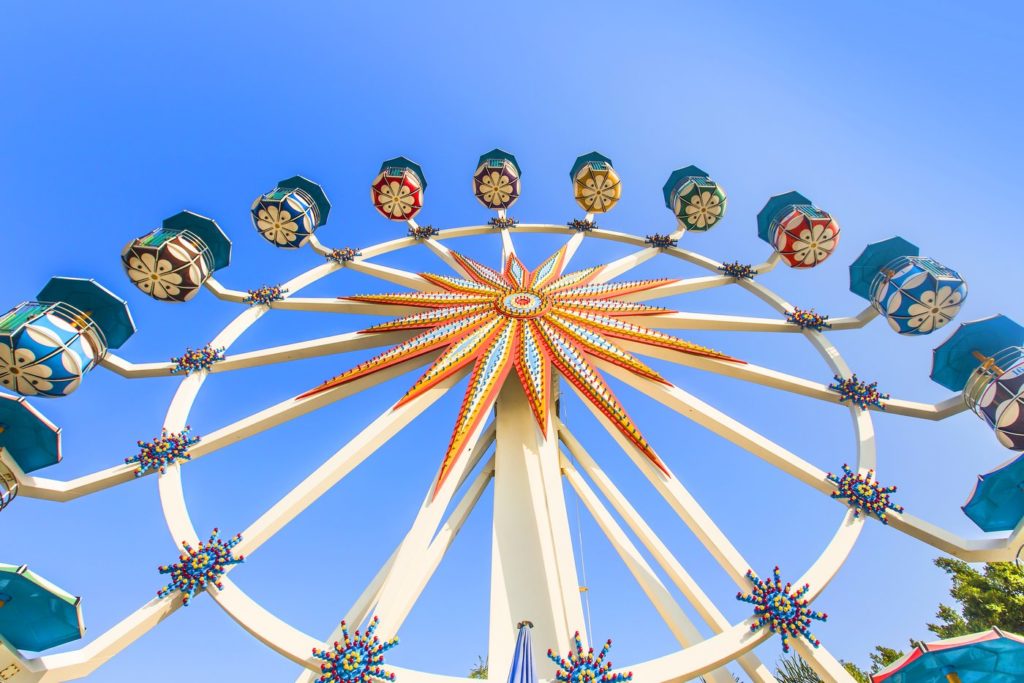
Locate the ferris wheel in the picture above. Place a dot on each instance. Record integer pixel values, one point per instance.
(517, 334)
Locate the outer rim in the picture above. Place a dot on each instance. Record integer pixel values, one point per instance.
(683, 664)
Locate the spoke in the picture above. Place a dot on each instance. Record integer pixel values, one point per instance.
(431, 557)
(694, 594)
(507, 247)
(339, 465)
(393, 275)
(682, 502)
(291, 408)
(83, 661)
(410, 553)
(685, 286)
(445, 254)
(397, 607)
(672, 614)
(821, 660)
(739, 323)
(313, 348)
(570, 249)
(757, 374)
(625, 264)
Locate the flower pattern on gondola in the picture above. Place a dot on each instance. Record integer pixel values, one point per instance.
(1001, 403)
(806, 237)
(45, 357)
(918, 295)
(397, 195)
(166, 267)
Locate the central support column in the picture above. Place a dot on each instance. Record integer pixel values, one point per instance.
(533, 571)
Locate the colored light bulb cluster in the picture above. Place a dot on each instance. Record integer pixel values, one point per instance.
(343, 255)
(862, 493)
(356, 659)
(781, 609)
(586, 667)
(660, 241)
(265, 295)
(582, 225)
(422, 232)
(200, 567)
(162, 451)
(740, 271)
(503, 222)
(858, 393)
(194, 360)
(808, 319)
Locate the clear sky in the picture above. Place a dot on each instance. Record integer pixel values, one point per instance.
(899, 118)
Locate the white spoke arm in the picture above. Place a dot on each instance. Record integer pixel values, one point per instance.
(80, 663)
(445, 254)
(625, 264)
(375, 435)
(687, 405)
(392, 275)
(827, 667)
(694, 594)
(395, 608)
(682, 503)
(739, 323)
(371, 595)
(671, 613)
(313, 348)
(289, 409)
(507, 246)
(797, 385)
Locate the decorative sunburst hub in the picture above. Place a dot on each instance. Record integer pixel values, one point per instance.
(527, 323)
(523, 305)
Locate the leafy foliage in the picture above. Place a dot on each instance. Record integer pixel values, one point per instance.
(793, 669)
(480, 670)
(991, 597)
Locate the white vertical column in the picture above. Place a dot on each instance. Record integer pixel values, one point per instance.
(533, 571)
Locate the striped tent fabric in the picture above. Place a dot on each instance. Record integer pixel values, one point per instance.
(523, 670)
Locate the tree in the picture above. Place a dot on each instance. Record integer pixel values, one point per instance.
(883, 657)
(991, 597)
(793, 669)
(480, 670)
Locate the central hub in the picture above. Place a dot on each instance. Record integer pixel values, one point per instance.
(522, 305)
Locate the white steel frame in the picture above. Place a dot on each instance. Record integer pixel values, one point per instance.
(527, 469)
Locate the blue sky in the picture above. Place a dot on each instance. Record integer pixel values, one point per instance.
(897, 118)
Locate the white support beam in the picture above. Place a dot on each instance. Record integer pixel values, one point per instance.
(507, 247)
(375, 435)
(671, 613)
(395, 597)
(371, 595)
(682, 503)
(415, 583)
(757, 374)
(82, 662)
(682, 580)
(313, 348)
(740, 323)
(828, 668)
(393, 275)
(571, 247)
(445, 254)
(533, 571)
(625, 264)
